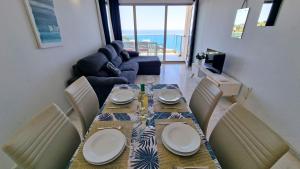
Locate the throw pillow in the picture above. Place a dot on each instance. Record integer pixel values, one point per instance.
(125, 55)
(112, 69)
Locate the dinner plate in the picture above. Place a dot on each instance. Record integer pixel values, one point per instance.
(122, 96)
(104, 146)
(179, 153)
(166, 102)
(169, 96)
(181, 138)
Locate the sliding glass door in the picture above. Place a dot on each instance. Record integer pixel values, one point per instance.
(161, 30)
(150, 30)
(127, 24)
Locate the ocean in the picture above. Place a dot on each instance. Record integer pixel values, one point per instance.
(174, 37)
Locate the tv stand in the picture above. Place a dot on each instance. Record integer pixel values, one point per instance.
(227, 84)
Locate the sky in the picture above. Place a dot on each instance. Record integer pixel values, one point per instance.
(152, 17)
(241, 16)
(265, 11)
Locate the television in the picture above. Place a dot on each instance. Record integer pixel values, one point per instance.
(214, 61)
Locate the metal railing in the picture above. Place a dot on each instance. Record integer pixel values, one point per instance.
(152, 48)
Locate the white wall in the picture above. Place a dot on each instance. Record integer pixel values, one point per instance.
(266, 59)
(32, 78)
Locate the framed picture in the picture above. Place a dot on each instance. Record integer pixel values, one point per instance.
(239, 23)
(269, 12)
(44, 22)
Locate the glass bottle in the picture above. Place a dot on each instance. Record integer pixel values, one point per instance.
(143, 99)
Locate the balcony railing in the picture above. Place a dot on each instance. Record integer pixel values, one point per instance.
(152, 48)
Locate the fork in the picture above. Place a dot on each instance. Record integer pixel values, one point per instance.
(167, 107)
(102, 128)
(200, 167)
(167, 123)
(121, 107)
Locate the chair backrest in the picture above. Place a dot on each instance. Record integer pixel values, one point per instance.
(84, 101)
(242, 141)
(48, 141)
(204, 100)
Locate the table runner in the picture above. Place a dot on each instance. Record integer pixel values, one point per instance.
(79, 162)
(169, 160)
(143, 148)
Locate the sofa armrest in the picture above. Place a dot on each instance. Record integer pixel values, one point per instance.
(106, 81)
(133, 53)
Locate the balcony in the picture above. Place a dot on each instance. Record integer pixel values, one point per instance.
(152, 45)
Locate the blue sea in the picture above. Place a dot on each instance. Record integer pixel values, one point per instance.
(174, 37)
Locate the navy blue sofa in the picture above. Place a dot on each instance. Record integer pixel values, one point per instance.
(93, 68)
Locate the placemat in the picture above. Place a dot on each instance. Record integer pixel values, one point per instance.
(160, 107)
(78, 162)
(110, 107)
(169, 160)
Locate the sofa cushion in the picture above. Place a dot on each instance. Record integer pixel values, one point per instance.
(112, 69)
(129, 75)
(129, 65)
(111, 55)
(125, 55)
(133, 54)
(118, 45)
(103, 73)
(148, 65)
(92, 64)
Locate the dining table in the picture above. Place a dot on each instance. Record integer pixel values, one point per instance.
(144, 148)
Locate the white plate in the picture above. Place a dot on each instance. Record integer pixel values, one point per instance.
(181, 138)
(179, 153)
(109, 161)
(165, 102)
(120, 103)
(104, 146)
(171, 96)
(122, 96)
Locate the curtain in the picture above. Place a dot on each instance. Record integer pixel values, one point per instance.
(193, 34)
(102, 6)
(115, 19)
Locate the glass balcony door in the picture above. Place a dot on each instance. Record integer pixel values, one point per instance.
(178, 25)
(150, 21)
(127, 24)
(161, 30)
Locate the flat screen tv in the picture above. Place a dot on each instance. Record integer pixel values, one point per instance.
(214, 61)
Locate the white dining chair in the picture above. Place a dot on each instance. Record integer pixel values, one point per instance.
(48, 141)
(242, 141)
(204, 100)
(84, 101)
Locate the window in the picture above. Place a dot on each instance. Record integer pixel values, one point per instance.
(127, 24)
(157, 30)
(150, 30)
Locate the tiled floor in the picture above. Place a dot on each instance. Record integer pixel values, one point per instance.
(179, 74)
